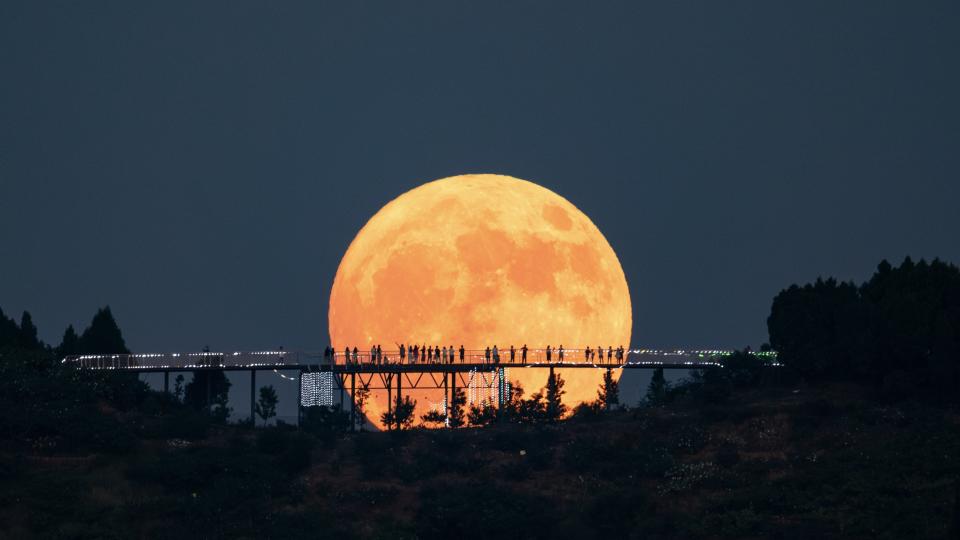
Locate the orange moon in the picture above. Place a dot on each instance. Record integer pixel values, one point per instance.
(482, 260)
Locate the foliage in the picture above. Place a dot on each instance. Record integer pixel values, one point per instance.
(555, 408)
(481, 415)
(266, 407)
(325, 422)
(401, 416)
(434, 418)
(208, 391)
(657, 389)
(608, 396)
(361, 396)
(455, 410)
(902, 326)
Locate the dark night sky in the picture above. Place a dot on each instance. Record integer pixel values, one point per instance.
(201, 167)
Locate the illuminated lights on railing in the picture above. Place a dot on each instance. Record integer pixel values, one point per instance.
(297, 360)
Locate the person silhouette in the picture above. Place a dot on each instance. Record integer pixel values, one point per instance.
(609, 354)
(548, 354)
(461, 353)
(513, 354)
(560, 354)
(523, 353)
(496, 355)
(436, 353)
(486, 355)
(586, 354)
(403, 353)
(346, 355)
(452, 354)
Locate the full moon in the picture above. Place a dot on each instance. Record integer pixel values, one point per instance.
(481, 260)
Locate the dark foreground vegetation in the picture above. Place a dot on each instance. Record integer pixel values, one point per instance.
(747, 451)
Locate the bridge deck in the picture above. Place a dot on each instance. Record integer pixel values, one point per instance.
(391, 361)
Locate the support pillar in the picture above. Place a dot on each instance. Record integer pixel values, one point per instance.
(609, 378)
(166, 382)
(446, 402)
(253, 397)
(389, 396)
(399, 388)
(353, 402)
(453, 390)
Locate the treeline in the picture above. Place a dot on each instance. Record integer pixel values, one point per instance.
(102, 336)
(900, 330)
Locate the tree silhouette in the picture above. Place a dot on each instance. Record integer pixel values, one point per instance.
(657, 389)
(609, 393)
(555, 408)
(9, 331)
(28, 332)
(434, 418)
(360, 399)
(401, 416)
(196, 392)
(900, 328)
(511, 408)
(103, 336)
(455, 410)
(267, 404)
(481, 415)
(70, 344)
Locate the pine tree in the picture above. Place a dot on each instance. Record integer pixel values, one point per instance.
(657, 390)
(555, 408)
(103, 336)
(609, 392)
(267, 404)
(196, 392)
(28, 332)
(401, 417)
(360, 404)
(9, 332)
(70, 344)
(455, 411)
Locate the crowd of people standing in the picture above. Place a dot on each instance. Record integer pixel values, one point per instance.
(426, 354)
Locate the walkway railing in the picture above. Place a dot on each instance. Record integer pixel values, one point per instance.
(295, 359)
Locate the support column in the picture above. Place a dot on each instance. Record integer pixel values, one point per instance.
(399, 388)
(166, 382)
(253, 397)
(353, 402)
(453, 391)
(389, 396)
(609, 378)
(341, 381)
(446, 402)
